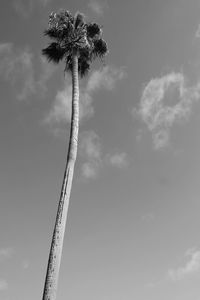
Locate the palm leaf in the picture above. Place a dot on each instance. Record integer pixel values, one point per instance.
(100, 48)
(93, 29)
(52, 33)
(83, 67)
(79, 20)
(54, 52)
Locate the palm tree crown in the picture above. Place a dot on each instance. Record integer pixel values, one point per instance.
(73, 35)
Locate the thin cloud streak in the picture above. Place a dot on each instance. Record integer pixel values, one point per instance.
(156, 110)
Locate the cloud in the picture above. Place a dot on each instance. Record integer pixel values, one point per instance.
(191, 266)
(25, 264)
(60, 111)
(89, 170)
(45, 73)
(161, 138)
(17, 68)
(198, 32)
(90, 150)
(166, 101)
(106, 78)
(5, 253)
(97, 7)
(148, 217)
(3, 285)
(94, 159)
(118, 160)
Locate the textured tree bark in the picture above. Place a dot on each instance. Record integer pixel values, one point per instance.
(53, 267)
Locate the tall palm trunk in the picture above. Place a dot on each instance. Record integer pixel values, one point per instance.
(59, 229)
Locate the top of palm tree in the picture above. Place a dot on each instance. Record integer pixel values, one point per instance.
(72, 35)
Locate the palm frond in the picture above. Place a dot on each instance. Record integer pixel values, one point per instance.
(100, 48)
(79, 20)
(85, 54)
(54, 52)
(68, 64)
(83, 67)
(52, 33)
(60, 19)
(93, 29)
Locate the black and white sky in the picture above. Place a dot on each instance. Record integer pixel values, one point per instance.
(132, 230)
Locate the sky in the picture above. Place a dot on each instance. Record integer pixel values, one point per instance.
(132, 228)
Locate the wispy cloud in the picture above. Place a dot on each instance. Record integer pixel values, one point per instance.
(45, 73)
(94, 158)
(90, 150)
(5, 253)
(17, 68)
(25, 264)
(148, 217)
(198, 32)
(60, 111)
(106, 78)
(166, 101)
(191, 266)
(3, 285)
(98, 7)
(118, 160)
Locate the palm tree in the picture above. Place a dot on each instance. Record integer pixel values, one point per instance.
(77, 43)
